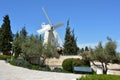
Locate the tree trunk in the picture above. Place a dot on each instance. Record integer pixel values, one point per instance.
(43, 61)
(39, 63)
(104, 68)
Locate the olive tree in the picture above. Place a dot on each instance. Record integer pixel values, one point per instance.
(33, 47)
(105, 54)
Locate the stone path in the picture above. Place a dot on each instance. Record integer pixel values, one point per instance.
(9, 72)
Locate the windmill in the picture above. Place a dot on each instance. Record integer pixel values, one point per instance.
(50, 34)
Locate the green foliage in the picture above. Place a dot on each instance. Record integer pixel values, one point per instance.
(1, 39)
(68, 64)
(57, 70)
(4, 57)
(105, 54)
(17, 44)
(44, 68)
(110, 48)
(86, 48)
(35, 67)
(21, 62)
(33, 47)
(20, 39)
(23, 32)
(70, 46)
(99, 77)
(6, 36)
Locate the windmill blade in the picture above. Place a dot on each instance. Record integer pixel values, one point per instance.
(46, 28)
(58, 38)
(58, 25)
(50, 22)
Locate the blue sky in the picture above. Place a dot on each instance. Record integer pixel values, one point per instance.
(92, 20)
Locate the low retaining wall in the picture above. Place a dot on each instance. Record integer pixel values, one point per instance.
(57, 62)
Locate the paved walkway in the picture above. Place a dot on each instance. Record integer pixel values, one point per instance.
(9, 72)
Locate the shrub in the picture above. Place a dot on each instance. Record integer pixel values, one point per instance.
(4, 57)
(21, 62)
(99, 77)
(35, 67)
(57, 70)
(68, 64)
(45, 68)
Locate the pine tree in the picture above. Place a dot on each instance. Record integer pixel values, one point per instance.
(6, 36)
(70, 46)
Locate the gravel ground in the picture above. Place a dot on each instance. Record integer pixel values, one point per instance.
(9, 72)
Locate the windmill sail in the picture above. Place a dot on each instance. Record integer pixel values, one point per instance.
(50, 22)
(44, 28)
(50, 36)
(58, 38)
(58, 25)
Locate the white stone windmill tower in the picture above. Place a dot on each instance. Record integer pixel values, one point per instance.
(50, 35)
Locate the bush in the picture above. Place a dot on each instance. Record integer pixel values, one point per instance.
(21, 62)
(99, 77)
(45, 68)
(57, 70)
(35, 67)
(68, 64)
(4, 57)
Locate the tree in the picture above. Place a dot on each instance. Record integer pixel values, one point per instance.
(23, 32)
(17, 44)
(6, 36)
(82, 50)
(104, 54)
(33, 47)
(20, 38)
(86, 48)
(0, 39)
(111, 47)
(67, 40)
(70, 46)
(74, 47)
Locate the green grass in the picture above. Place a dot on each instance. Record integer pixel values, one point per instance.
(99, 77)
(4, 57)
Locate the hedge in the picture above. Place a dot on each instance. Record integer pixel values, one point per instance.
(4, 57)
(99, 77)
(68, 64)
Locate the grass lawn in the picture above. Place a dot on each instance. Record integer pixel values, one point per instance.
(99, 77)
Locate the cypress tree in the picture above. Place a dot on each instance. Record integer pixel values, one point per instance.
(86, 48)
(6, 36)
(74, 47)
(70, 46)
(67, 40)
(23, 32)
(0, 39)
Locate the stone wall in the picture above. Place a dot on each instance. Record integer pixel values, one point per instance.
(57, 62)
